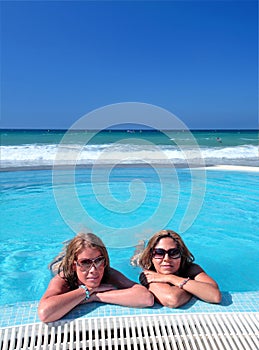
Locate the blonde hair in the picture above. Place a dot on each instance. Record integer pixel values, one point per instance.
(76, 245)
(145, 260)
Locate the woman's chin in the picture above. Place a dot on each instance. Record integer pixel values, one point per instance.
(92, 283)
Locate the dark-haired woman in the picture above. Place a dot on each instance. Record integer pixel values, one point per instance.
(85, 276)
(170, 274)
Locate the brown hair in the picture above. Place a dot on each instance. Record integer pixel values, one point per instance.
(145, 260)
(76, 245)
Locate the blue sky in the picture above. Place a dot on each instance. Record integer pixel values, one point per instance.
(62, 59)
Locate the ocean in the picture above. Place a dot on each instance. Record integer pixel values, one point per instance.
(38, 148)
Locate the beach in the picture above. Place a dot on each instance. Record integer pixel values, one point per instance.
(234, 168)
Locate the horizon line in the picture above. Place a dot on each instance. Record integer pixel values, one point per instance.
(130, 129)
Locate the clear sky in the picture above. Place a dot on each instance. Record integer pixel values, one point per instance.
(63, 59)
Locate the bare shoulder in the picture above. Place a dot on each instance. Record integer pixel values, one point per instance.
(58, 280)
(56, 286)
(118, 279)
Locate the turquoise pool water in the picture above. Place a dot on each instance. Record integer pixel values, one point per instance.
(223, 236)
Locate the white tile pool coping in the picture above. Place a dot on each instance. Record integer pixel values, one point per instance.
(26, 313)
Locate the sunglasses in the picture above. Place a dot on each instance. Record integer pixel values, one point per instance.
(86, 264)
(173, 253)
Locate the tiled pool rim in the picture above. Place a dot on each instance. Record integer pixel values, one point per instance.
(26, 312)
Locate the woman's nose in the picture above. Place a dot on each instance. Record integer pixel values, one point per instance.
(92, 267)
(166, 257)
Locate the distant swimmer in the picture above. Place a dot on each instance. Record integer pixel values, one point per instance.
(219, 139)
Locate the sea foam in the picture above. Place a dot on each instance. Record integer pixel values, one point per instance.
(35, 155)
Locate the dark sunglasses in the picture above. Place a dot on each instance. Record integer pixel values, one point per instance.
(86, 264)
(173, 253)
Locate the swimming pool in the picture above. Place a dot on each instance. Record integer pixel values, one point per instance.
(223, 236)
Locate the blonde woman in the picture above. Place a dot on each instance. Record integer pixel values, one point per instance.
(85, 276)
(170, 274)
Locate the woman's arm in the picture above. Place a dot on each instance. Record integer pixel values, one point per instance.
(200, 285)
(164, 292)
(58, 300)
(128, 293)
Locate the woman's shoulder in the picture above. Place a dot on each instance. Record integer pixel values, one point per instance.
(118, 279)
(56, 286)
(113, 274)
(193, 270)
(60, 282)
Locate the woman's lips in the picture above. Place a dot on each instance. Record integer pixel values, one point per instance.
(167, 267)
(92, 278)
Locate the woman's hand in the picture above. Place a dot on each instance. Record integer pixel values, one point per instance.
(105, 287)
(173, 291)
(147, 277)
(125, 292)
(165, 292)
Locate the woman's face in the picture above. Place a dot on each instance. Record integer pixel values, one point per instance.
(89, 267)
(166, 263)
